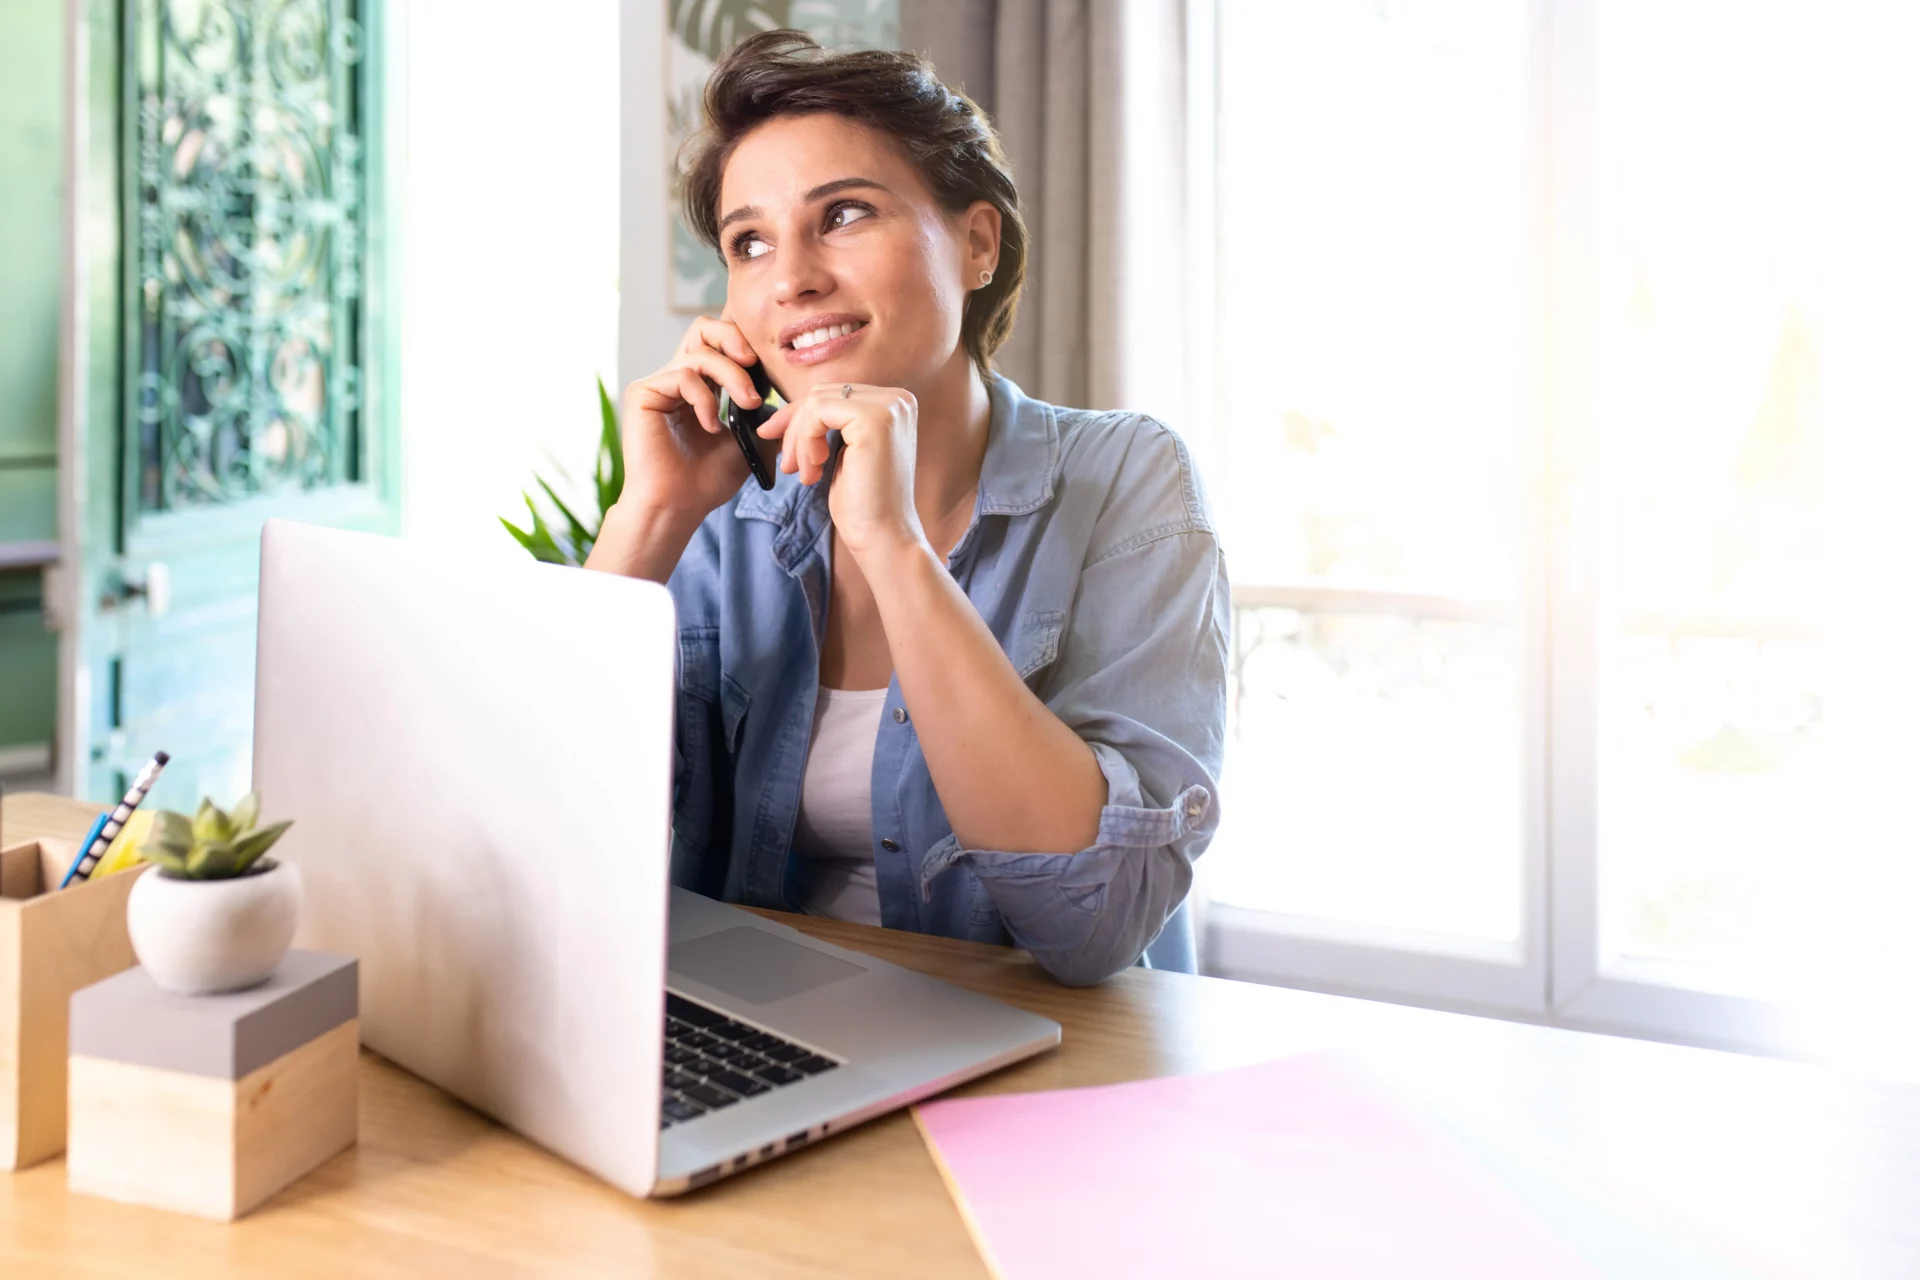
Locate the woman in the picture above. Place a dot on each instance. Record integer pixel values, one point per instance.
(967, 677)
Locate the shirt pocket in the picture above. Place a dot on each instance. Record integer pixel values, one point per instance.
(709, 698)
(1035, 643)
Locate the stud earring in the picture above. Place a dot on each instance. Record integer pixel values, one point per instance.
(986, 278)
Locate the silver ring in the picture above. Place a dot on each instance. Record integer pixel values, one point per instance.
(846, 392)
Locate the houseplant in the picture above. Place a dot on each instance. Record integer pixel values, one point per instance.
(216, 914)
(570, 542)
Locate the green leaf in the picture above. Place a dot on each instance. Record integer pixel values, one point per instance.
(210, 861)
(539, 541)
(157, 850)
(610, 471)
(174, 862)
(521, 536)
(168, 841)
(711, 27)
(169, 833)
(544, 535)
(248, 849)
(211, 825)
(582, 540)
(246, 813)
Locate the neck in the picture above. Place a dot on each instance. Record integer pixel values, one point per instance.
(952, 443)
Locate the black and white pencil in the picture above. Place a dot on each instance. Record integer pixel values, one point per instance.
(83, 865)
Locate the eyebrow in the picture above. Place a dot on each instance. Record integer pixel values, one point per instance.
(820, 192)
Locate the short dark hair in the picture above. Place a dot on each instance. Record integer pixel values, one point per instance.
(942, 133)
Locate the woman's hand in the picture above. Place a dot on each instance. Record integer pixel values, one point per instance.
(679, 456)
(681, 462)
(871, 498)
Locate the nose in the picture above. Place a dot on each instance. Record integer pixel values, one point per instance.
(802, 273)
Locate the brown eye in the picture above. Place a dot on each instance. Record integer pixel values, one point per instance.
(846, 212)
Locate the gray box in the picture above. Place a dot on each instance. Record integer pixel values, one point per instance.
(129, 1019)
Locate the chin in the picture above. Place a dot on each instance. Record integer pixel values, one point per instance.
(834, 374)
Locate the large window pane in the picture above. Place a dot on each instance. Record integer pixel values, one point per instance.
(1377, 303)
(1748, 282)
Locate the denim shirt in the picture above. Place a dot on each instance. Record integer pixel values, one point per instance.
(1092, 559)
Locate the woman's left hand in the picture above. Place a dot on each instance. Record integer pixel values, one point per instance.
(871, 499)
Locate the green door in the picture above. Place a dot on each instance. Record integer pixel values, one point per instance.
(30, 221)
(237, 339)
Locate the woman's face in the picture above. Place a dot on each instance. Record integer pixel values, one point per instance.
(841, 267)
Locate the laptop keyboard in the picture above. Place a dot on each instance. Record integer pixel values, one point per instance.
(711, 1061)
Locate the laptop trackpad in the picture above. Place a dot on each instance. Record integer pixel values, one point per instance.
(755, 966)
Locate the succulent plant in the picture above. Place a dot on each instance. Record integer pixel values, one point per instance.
(215, 844)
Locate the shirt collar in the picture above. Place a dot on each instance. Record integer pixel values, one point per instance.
(1023, 451)
(1016, 476)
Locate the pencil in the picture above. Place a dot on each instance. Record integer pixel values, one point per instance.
(90, 858)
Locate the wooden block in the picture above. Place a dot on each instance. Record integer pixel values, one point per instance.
(52, 943)
(208, 1105)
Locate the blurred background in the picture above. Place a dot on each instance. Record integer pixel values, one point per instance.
(1550, 363)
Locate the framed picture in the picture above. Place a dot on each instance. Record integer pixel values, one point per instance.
(699, 32)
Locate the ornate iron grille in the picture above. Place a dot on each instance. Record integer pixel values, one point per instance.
(245, 224)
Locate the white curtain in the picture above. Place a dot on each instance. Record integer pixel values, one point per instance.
(1090, 99)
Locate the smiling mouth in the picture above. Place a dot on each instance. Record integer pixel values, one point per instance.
(825, 333)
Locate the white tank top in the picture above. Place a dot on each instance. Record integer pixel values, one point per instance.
(834, 834)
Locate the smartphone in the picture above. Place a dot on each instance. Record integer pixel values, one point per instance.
(742, 423)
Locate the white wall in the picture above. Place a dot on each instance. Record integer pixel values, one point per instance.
(649, 331)
(511, 254)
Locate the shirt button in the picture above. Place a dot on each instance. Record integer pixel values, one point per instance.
(890, 846)
(899, 715)
(1193, 810)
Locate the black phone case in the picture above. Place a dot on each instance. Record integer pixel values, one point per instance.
(742, 423)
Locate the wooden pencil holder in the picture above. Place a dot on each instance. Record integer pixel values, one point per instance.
(53, 942)
(208, 1105)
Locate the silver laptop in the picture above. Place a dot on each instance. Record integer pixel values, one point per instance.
(477, 760)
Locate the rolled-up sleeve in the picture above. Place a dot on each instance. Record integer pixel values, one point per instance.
(1142, 679)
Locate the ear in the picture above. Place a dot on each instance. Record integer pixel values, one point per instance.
(981, 225)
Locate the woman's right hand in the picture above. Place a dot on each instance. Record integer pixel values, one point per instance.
(681, 462)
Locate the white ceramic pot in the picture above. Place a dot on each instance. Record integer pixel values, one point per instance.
(201, 937)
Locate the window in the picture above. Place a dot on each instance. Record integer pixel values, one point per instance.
(1557, 357)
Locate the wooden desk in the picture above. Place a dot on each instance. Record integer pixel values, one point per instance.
(1801, 1164)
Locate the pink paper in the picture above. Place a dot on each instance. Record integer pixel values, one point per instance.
(1301, 1167)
